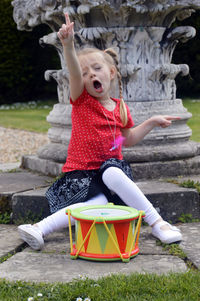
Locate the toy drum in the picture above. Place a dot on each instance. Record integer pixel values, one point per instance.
(105, 233)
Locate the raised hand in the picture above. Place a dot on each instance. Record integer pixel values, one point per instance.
(66, 32)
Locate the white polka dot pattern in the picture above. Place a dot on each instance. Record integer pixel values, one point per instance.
(91, 136)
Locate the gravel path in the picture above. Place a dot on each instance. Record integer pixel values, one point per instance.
(15, 143)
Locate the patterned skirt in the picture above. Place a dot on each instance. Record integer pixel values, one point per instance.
(81, 185)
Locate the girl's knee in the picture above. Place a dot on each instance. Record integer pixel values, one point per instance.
(113, 177)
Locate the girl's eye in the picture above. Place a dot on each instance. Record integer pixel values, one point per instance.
(97, 68)
(84, 73)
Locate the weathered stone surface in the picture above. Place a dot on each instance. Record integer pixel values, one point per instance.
(43, 166)
(170, 200)
(4, 167)
(21, 180)
(56, 267)
(159, 153)
(56, 152)
(166, 169)
(191, 242)
(30, 205)
(9, 241)
(53, 263)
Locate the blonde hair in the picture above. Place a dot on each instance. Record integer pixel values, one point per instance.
(111, 58)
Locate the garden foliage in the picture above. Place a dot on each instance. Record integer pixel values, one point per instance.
(189, 53)
(22, 60)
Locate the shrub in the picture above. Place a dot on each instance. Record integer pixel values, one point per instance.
(22, 60)
(188, 53)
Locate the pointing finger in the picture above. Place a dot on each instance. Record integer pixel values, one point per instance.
(172, 117)
(67, 19)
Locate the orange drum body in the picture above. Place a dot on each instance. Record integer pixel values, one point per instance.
(106, 232)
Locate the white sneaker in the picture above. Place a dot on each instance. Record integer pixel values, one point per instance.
(32, 236)
(166, 236)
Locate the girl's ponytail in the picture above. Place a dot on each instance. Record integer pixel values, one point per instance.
(123, 110)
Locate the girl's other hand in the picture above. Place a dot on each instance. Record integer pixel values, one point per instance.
(163, 120)
(66, 32)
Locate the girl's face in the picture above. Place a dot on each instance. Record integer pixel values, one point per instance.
(97, 75)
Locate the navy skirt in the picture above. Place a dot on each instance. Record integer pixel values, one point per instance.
(81, 185)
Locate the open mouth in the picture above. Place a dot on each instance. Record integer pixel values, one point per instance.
(98, 86)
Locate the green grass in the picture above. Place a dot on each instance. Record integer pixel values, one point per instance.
(172, 287)
(30, 120)
(30, 117)
(194, 122)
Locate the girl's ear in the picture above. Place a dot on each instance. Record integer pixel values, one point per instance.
(112, 72)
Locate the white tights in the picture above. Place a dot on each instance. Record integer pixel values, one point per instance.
(116, 180)
(59, 220)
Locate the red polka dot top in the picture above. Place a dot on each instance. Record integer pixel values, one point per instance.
(93, 133)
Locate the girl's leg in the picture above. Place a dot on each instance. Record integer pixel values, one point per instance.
(33, 234)
(59, 219)
(117, 181)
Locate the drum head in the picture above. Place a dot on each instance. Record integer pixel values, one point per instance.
(107, 213)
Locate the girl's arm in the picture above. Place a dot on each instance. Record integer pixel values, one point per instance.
(135, 135)
(66, 36)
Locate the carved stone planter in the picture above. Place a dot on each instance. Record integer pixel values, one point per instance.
(141, 33)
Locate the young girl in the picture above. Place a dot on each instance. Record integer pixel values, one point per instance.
(95, 171)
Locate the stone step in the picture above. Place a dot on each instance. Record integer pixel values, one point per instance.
(28, 200)
(19, 181)
(141, 170)
(171, 200)
(29, 206)
(172, 168)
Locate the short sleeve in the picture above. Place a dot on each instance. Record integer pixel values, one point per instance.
(130, 122)
(84, 96)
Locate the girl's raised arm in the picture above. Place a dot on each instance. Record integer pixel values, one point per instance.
(66, 36)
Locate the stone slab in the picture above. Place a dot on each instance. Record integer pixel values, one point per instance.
(30, 204)
(4, 167)
(60, 268)
(21, 180)
(54, 264)
(173, 168)
(191, 242)
(44, 166)
(152, 152)
(9, 240)
(171, 200)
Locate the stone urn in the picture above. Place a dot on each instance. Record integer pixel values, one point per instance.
(141, 32)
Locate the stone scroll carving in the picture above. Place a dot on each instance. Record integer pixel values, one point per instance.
(141, 32)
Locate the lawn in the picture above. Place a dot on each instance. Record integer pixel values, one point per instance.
(136, 287)
(193, 107)
(32, 116)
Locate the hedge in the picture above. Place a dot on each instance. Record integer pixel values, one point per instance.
(23, 61)
(189, 53)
